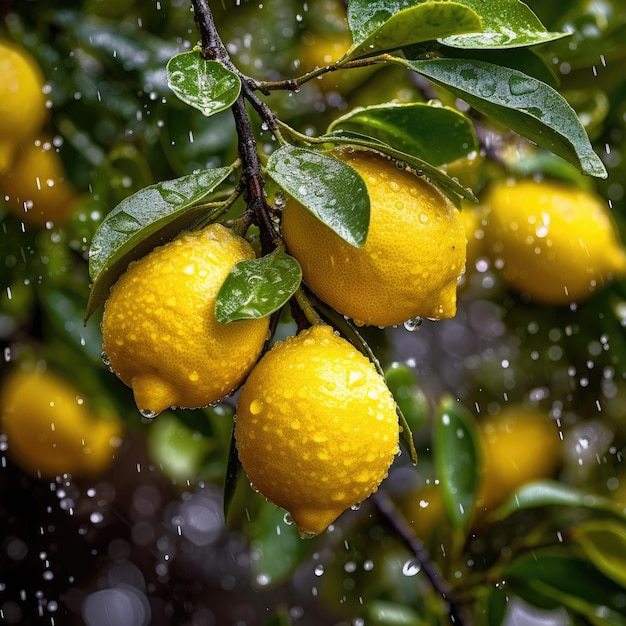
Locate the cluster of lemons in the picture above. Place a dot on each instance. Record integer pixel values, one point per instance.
(316, 426)
(553, 243)
(32, 177)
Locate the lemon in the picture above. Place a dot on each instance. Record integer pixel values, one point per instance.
(22, 102)
(316, 427)
(557, 243)
(35, 188)
(50, 431)
(518, 446)
(412, 259)
(160, 333)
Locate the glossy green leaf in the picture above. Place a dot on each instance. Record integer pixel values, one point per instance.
(436, 134)
(551, 493)
(524, 104)
(413, 402)
(143, 220)
(506, 24)
(553, 577)
(380, 25)
(450, 187)
(456, 454)
(205, 85)
(385, 613)
(604, 544)
(258, 287)
(330, 189)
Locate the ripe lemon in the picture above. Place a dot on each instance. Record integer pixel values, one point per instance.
(518, 446)
(49, 429)
(22, 102)
(558, 243)
(160, 333)
(411, 261)
(35, 188)
(316, 427)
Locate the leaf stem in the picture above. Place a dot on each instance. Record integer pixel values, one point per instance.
(388, 510)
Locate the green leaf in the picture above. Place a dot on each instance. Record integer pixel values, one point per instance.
(385, 613)
(258, 287)
(234, 471)
(506, 24)
(553, 577)
(450, 187)
(526, 105)
(402, 383)
(205, 85)
(551, 493)
(436, 134)
(456, 454)
(152, 215)
(604, 544)
(330, 189)
(380, 25)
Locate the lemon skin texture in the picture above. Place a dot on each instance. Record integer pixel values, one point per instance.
(558, 243)
(50, 431)
(35, 188)
(160, 333)
(22, 102)
(412, 259)
(518, 446)
(316, 427)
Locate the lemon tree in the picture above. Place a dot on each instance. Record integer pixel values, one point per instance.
(244, 221)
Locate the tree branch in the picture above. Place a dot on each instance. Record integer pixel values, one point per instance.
(252, 177)
(386, 507)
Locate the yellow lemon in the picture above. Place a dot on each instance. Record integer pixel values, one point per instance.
(22, 102)
(411, 261)
(35, 188)
(518, 446)
(316, 427)
(160, 332)
(50, 430)
(557, 243)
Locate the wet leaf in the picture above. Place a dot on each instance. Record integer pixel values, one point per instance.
(402, 383)
(205, 85)
(141, 221)
(381, 25)
(258, 287)
(551, 493)
(436, 134)
(456, 455)
(518, 101)
(234, 471)
(553, 577)
(506, 24)
(450, 187)
(385, 613)
(329, 188)
(604, 544)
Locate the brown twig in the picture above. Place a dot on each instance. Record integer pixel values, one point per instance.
(213, 48)
(387, 509)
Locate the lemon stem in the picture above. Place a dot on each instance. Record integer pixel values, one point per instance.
(307, 308)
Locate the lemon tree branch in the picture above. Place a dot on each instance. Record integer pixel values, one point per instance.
(387, 509)
(213, 48)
